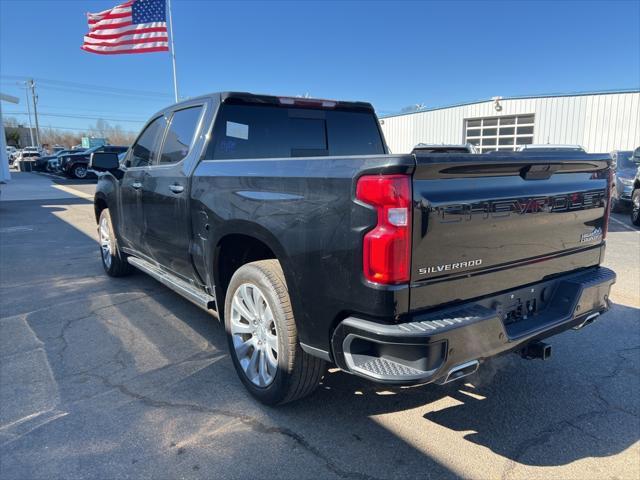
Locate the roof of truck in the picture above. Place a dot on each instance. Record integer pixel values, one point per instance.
(247, 97)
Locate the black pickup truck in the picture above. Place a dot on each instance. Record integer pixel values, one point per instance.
(75, 165)
(290, 219)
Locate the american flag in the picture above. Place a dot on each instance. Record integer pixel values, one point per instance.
(137, 26)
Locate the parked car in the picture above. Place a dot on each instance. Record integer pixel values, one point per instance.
(75, 165)
(32, 149)
(635, 192)
(442, 148)
(43, 163)
(289, 217)
(26, 159)
(542, 147)
(624, 171)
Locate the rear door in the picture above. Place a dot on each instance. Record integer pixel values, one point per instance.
(485, 224)
(165, 192)
(139, 158)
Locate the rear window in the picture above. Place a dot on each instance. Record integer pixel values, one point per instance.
(255, 131)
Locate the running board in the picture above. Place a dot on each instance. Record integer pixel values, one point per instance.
(188, 291)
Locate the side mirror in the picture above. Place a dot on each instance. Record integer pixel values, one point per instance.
(104, 162)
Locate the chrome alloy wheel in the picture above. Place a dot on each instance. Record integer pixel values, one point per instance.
(105, 242)
(254, 334)
(635, 208)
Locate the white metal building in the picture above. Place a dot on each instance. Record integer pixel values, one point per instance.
(599, 122)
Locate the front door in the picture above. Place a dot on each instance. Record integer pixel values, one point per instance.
(140, 156)
(165, 194)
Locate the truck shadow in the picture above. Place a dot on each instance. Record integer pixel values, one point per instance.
(582, 404)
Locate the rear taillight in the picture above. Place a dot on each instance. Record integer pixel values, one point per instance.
(607, 210)
(387, 248)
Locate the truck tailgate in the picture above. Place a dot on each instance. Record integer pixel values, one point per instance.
(488, 223)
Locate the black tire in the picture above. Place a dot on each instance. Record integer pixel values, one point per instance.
(79, 171)
(298, 373)
(635, 207)
(114, 262)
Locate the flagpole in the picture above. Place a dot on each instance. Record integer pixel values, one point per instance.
(173, 53)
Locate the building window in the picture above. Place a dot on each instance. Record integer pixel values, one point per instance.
(499, 133)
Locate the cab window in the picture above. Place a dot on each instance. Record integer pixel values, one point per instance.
(144, 150)
(180, 135)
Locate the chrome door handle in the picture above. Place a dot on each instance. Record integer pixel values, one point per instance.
(176, 188)
(136, 185)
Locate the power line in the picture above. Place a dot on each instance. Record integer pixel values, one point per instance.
(91, 87)
(140, 97)
(84, 117)
(89, 110)
(94, 93)
(81, 130)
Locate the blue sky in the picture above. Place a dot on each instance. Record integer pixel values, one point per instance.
(392, 54)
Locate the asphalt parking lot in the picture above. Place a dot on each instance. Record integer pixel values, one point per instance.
(122, 378)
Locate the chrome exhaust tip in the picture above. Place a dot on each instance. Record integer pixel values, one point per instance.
(460, 371)
(590, 319)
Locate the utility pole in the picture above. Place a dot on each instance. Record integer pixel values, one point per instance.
(26, 91)
(34, 96)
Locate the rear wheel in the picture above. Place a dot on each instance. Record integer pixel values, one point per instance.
(635, 207)
(114, 262)
(262, 336)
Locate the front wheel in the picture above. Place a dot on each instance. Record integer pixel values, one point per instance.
(263, 339)
(113, 261)
(635, 207)
(79, 171)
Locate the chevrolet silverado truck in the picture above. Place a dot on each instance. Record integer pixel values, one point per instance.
(290, 219)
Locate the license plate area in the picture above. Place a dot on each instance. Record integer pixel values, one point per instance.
(523, 304)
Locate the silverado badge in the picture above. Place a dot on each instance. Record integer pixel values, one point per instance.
(449, 266)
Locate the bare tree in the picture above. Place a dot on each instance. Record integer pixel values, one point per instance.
(54, 136)
(114, 134)
(10, 122)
